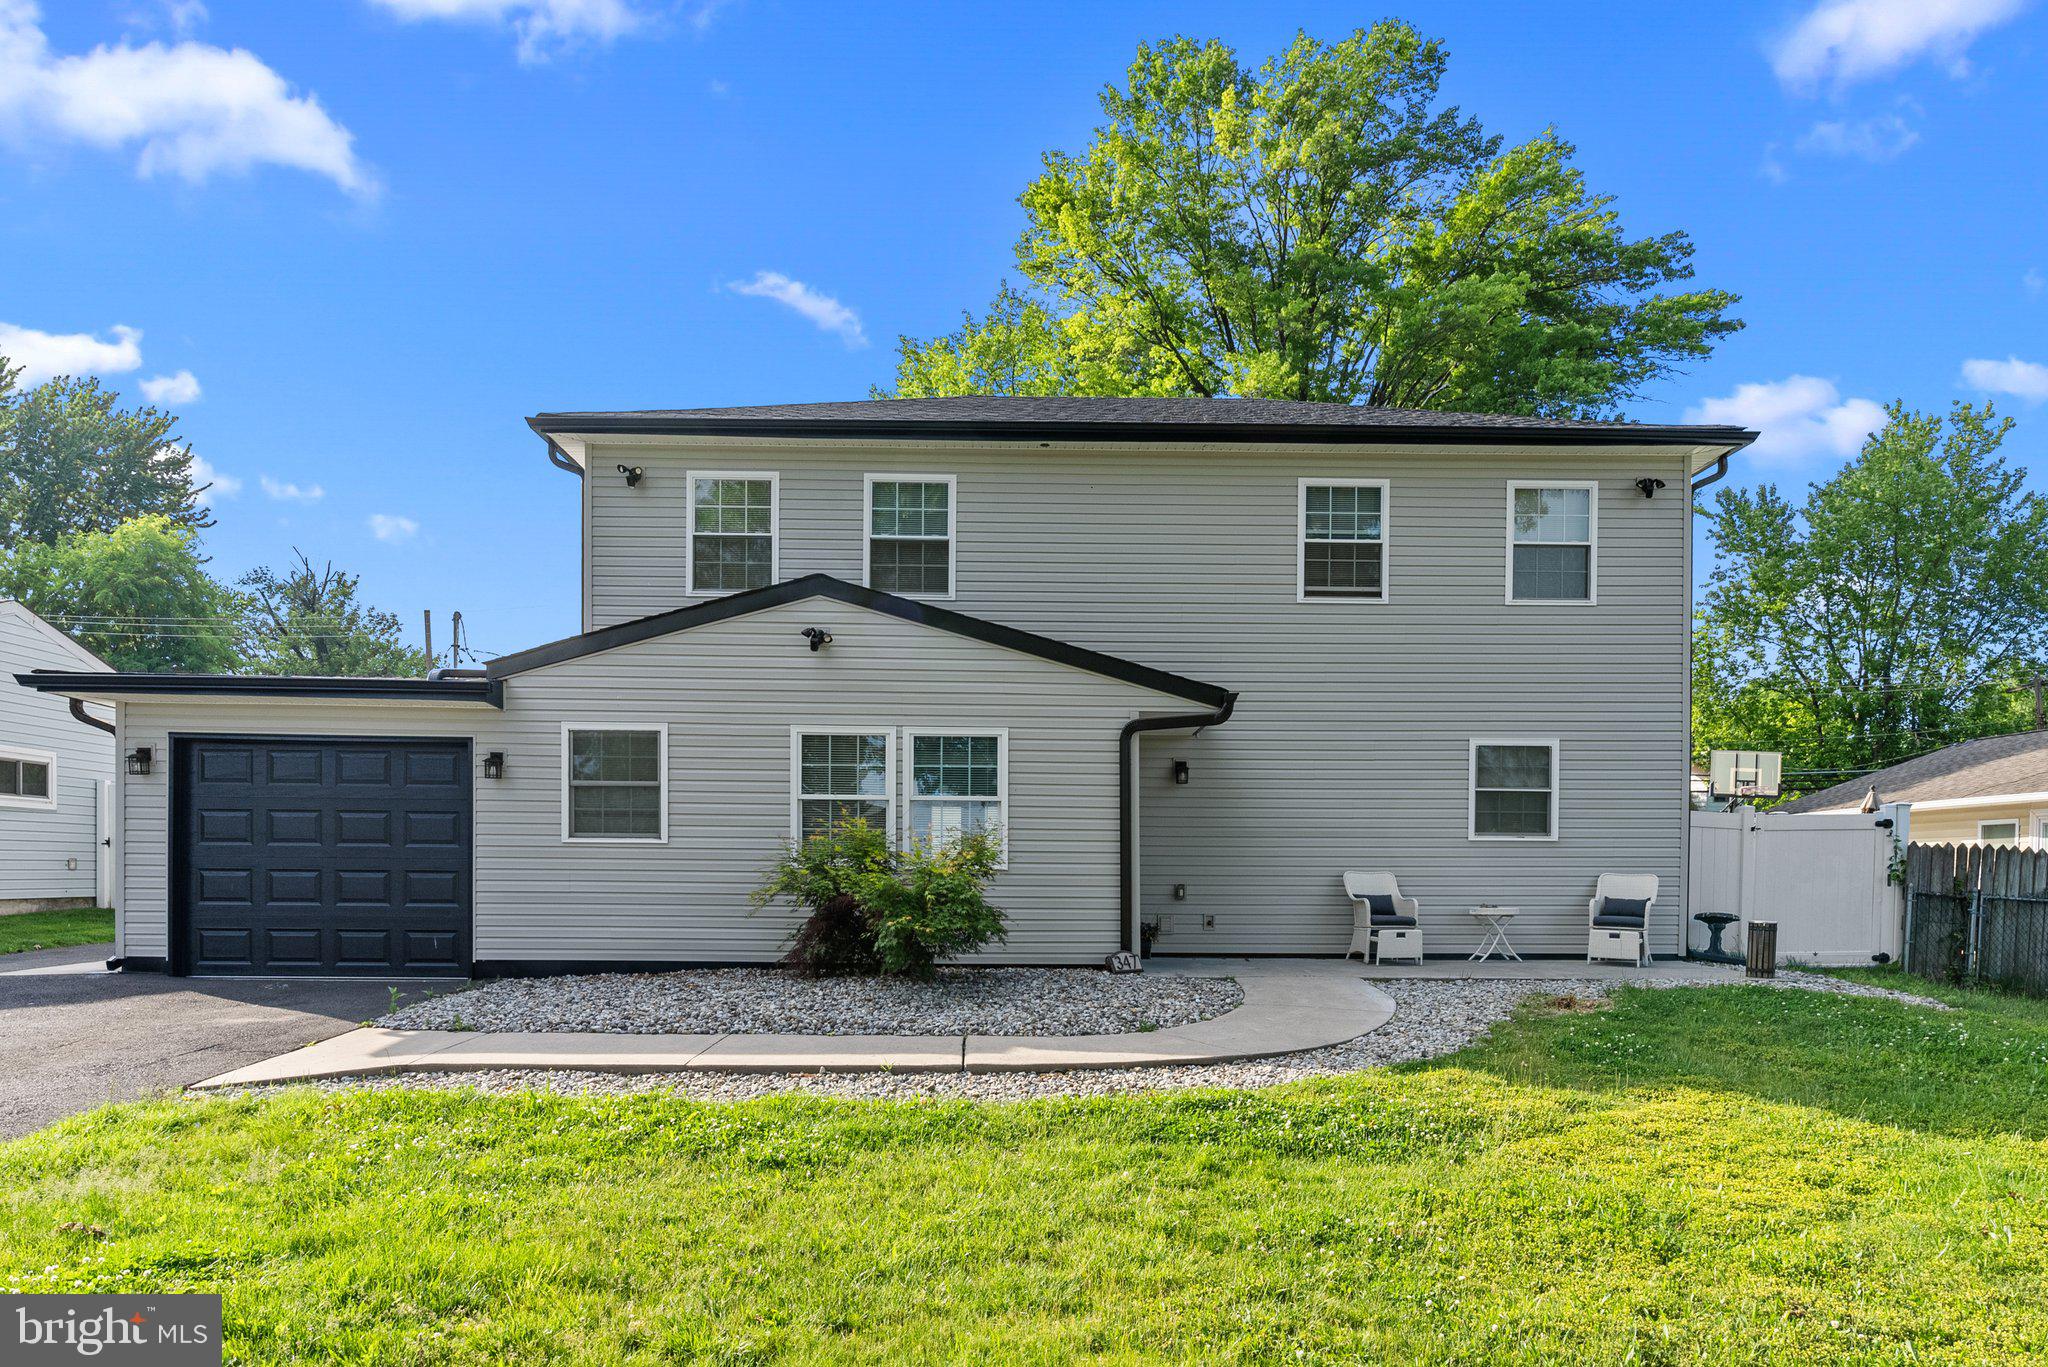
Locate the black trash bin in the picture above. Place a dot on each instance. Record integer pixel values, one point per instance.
(1763, 949)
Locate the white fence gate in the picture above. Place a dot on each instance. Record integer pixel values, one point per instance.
(1825, 879)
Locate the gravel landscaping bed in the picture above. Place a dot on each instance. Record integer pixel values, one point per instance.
(769, 1001)
(1432, 1017)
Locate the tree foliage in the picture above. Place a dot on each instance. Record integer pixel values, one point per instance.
(137, 595)
(1888, 613)
(308, 621)
(1323, 228)
(73, 460)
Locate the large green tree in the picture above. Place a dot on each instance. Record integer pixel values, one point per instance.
(73, 460)
(309, 621)
(1323, 227)
(138, 595)
(1890, 612)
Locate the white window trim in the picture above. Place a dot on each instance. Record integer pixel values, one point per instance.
(1472, 783)
(690, 478)
(604, 724)
(1592, 598)
(867, 530)
(40, 804)
(1002, 797)
(890, 794)
(2019, 828)
(1386, 541)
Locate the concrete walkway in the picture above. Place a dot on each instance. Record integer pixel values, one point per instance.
(1289, 1005)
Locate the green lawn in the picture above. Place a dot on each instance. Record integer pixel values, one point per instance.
(1697, 1175)
(55, 929)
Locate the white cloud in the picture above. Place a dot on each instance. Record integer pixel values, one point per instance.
(822, 309)
(291, 493)
(543, 27)
(42, 355)
(2033, 282)
(1841, 42)
(224, 485)
(1874, 139)
(392, 527)
(1800, 415)
(189, 110)
(1771, 168)
(2021, 379)
(182, 387)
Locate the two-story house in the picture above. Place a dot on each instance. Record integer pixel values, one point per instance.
(1194, 658)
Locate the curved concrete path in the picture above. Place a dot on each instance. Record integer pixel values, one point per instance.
(1289, 1005)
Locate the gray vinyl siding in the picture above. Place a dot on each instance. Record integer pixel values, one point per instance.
(729, 694)
(36, 842)
(1349, 747)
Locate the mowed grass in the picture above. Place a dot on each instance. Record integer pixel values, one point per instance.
(1697, 1175)
(56, 929)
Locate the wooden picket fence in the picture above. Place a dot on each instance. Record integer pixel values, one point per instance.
(1978, 913)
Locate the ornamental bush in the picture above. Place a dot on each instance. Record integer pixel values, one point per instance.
(874, 908)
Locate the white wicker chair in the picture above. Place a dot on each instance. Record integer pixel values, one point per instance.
(1364, 930)
(1608, 932)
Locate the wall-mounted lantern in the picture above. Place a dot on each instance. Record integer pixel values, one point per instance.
(138, 760)
(1180, 772)
(494, 764)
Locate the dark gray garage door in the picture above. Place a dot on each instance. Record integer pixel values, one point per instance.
(343, 858)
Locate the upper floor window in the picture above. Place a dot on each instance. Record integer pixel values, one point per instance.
(615, 783)
(910, 534)
(732, 531)
(25, 778)
(1341, 551)
(1551, 532)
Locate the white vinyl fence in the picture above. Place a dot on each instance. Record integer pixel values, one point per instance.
(1825, 879)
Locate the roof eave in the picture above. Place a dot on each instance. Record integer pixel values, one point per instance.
(553, 425)
(114, 687)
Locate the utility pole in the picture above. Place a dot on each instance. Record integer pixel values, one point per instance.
(2039, 685)
(427, 620)
(455, 640)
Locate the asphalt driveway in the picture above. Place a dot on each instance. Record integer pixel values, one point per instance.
(71, 1040)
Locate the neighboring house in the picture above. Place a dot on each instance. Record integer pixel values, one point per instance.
(1992, 791)
(54, 768)
(1195, 658)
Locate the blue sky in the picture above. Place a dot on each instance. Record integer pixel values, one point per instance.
(353, 242)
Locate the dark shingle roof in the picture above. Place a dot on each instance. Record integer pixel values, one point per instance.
(1125, 419)
(1989, 767)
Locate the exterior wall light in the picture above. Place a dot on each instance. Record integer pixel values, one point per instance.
(494, 764)
(818, 637)
(1180, 772)
(634, 474)
(1649, 486)
(138, 760)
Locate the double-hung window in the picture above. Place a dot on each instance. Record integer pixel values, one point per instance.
(1552, 529)
(910, 534)
(732, 531)
(26, 778)
(843, 776)
(958, 784)
(615, 783)
(1514, 790)
(1341, 548)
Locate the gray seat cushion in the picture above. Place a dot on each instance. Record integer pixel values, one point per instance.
(1618, 922)
(1393, 922)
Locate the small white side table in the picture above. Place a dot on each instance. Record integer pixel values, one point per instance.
(1495, 919)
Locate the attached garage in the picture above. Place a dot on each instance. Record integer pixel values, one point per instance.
(322, 857)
